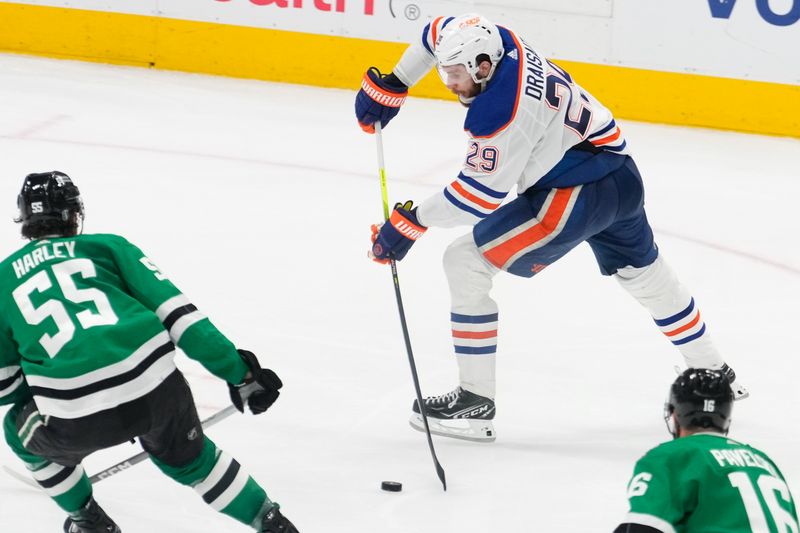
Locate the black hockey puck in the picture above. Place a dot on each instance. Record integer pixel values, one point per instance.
(391, 486)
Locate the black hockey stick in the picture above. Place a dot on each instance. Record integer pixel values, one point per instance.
(129, 462)
(396, 282)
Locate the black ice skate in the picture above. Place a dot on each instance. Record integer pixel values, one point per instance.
(90, 519)
(275, 522)
(740, 392)
(460, 414)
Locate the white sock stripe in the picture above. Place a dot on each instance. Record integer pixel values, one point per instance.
(66, 485)
(47, 472)
(491, 341)
(183, 323)
(680, 323)
(233, 490)
(223, 462)
(694, 329)
(170, 305)
(461, 326)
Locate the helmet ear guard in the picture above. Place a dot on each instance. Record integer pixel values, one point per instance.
(699, 399)
(49, 204)
(468, 40)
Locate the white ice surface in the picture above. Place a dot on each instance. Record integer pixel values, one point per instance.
(256, 199)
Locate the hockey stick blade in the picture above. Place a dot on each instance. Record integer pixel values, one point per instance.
(127, 463)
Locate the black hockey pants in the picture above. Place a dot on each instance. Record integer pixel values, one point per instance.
(165, 421)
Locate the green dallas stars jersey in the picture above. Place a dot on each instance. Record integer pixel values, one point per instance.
(708, 483)
(88, 323)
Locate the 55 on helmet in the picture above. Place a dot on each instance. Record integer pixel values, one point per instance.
(49, 205)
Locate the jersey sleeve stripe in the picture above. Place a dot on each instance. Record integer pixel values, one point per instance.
(170, 305)
(178, 314)
(620, 148)
(608, 139)
(472, 198)
(649, 520)
(184, 323)
(7, 386)
(481, 187)
(8, 372)
(453, 200)
(600, 133)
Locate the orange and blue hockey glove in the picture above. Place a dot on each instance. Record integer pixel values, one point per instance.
(393, 239)
(379, 99)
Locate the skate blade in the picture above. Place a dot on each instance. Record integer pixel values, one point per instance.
(463, 428)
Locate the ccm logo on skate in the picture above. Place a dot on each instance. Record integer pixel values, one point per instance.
(112, 471)
(474, 413)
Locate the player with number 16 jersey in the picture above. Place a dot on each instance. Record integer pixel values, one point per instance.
(704, 481)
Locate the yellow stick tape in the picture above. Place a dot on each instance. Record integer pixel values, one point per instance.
(331, 61)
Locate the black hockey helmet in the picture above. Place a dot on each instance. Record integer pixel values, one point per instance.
(49, 205)
(700, 398)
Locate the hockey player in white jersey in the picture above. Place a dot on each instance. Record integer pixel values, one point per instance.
(529, 126)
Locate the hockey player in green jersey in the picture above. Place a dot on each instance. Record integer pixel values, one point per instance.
(703, 481)
(88, 330)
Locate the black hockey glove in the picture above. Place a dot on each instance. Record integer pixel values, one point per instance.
(259, 391)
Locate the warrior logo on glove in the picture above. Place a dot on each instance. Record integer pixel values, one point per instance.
(393, 240)
(379, 99)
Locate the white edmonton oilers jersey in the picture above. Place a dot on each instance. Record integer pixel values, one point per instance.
(530, 113)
